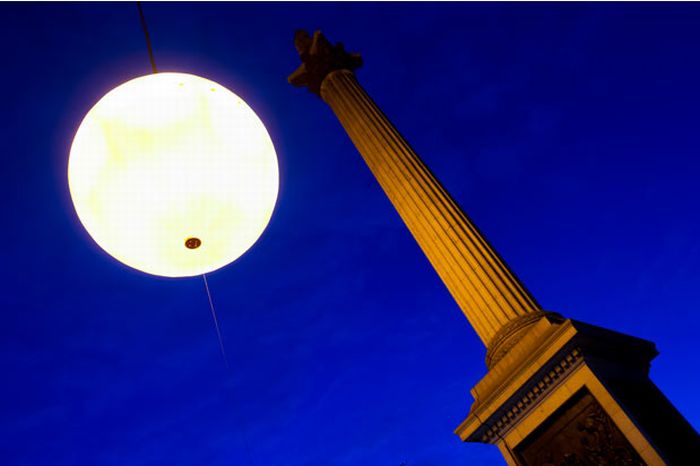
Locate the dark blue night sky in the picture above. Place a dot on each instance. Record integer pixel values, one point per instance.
(569, 133)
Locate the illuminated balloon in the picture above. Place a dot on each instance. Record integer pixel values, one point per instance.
(173, 174)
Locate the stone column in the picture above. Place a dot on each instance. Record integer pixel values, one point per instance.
(492, 298)
(557, 391)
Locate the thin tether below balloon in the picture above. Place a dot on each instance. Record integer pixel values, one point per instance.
(244, 431)
(216, 322)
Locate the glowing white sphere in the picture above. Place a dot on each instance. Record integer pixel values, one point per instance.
(167, 158)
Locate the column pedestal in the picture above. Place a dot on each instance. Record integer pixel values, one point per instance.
(571, 394)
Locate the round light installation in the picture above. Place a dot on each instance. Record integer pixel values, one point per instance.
(173, 174)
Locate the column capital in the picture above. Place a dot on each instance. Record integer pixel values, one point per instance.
(319, 58)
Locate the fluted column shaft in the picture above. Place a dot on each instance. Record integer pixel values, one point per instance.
(488, 293)
(492, 298)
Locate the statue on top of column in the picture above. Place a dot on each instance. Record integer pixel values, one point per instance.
(319, 58)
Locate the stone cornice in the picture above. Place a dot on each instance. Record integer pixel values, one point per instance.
(527, 398)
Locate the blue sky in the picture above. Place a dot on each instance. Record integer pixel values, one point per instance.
(567, 132)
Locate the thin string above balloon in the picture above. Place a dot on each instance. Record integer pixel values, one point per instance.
(144, 26)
